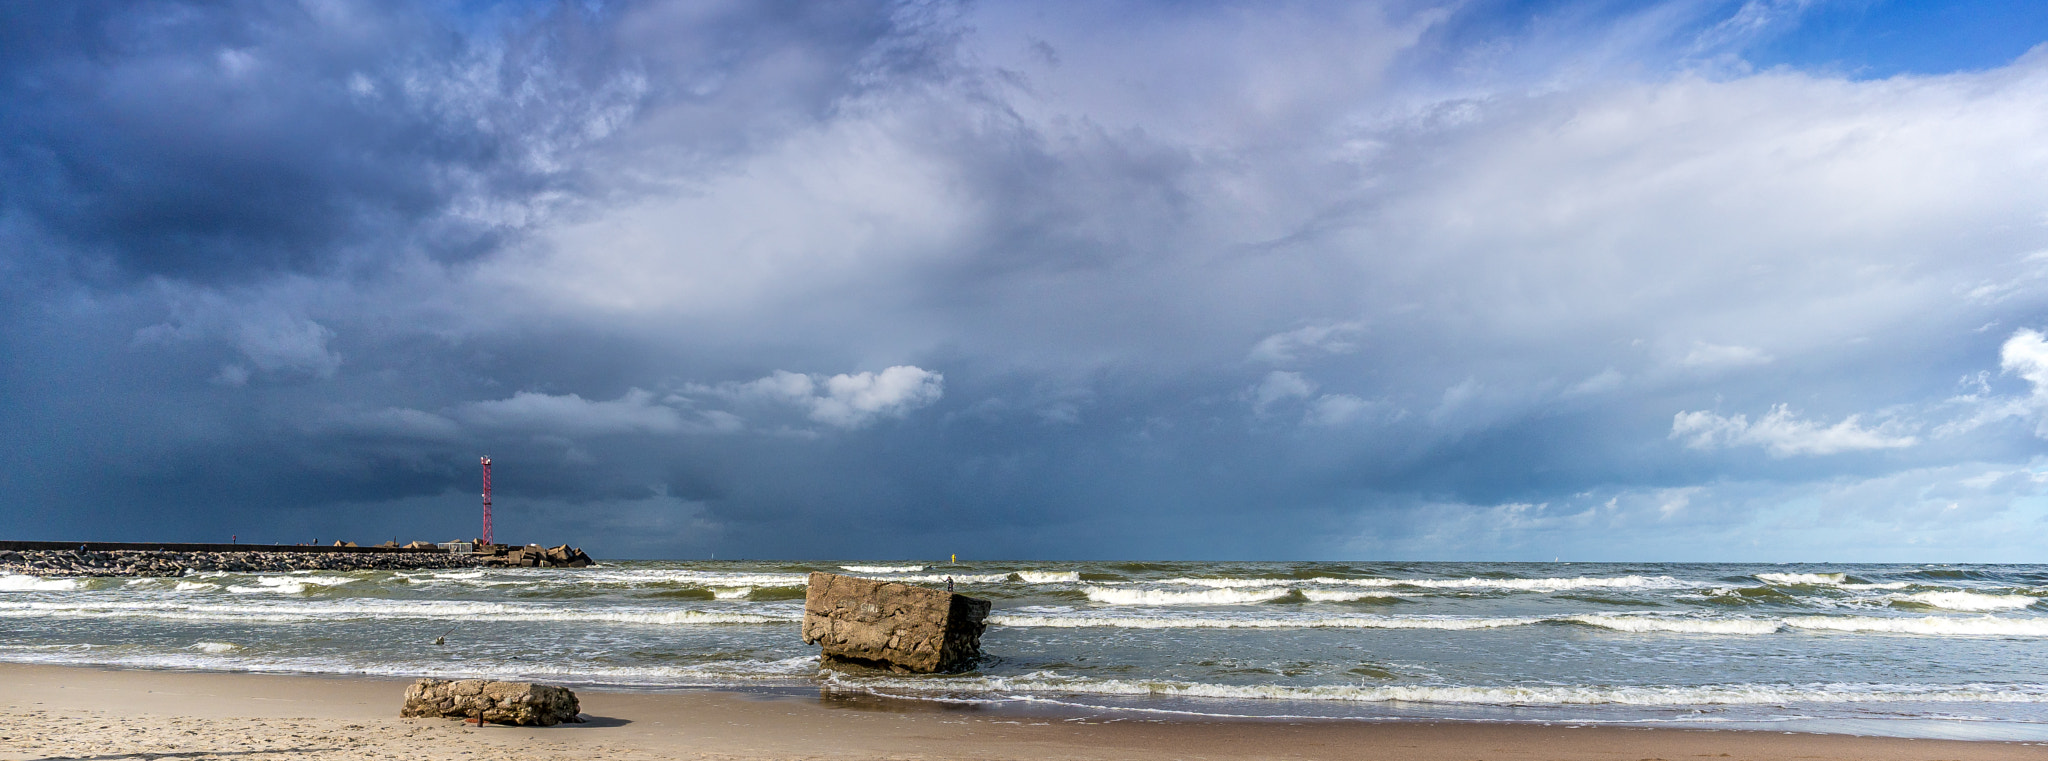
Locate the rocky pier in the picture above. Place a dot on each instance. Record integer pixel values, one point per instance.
(150, 559)
(170, 563)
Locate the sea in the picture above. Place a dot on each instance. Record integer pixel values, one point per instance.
(1950, 651)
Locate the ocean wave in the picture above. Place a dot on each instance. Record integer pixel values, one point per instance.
(1969, 601)
(1530, 585)
(1645, 623)
(385, 610)
(290, 585)
(1048, 577)
(1219, 583)
(1632, 582)
(1929, 625)
(215, 647)
(959, 578)
(1323, 622)
(19, 583)
(717, 673)
(647, 577)
(1122, 596)
(1327, 595)
(1515, 695)
(1626, 622)
(1803, 579)
(883, 568)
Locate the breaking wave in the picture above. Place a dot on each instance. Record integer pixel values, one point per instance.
(1533, 585)
(1930, 625)
(1625, 622)
(382, 610)
(1970, 601)
(1803, 579)
(1516, 695)
(1118, 596)
(1639, 623)
(1048, 577)
(1326, 595)
(20, 583)
(1325, 622)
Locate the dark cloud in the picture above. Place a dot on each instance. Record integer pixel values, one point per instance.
(909, 279)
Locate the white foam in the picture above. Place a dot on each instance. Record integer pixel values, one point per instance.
(640, 577)
(1929, 625)
(1650, 623)
(215, 647)
(883, 568)
(1221, 583)
(1970, 601)
(195, 586)
(1327, 595)
(733, 593)
(940, 578)
(1303, 622)
(1510, 695)
(297, 612)
(1561, 584)
(712, 674)
(1117, 596)
(1803, 579)
(19, 583)
(290, 585)
(1048, 577)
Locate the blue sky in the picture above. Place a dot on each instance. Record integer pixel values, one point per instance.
(1408, 280)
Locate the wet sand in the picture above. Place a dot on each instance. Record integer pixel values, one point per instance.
(64, 712)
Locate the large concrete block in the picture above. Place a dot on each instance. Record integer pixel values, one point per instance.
(893, 625)
(493, 702)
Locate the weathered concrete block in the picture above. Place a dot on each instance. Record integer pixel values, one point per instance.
(496, 702)
(895, 625)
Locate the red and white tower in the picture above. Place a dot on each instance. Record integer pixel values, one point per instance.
(487, 501)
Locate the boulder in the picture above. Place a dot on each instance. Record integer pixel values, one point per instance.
(897, 626)
(495, 702)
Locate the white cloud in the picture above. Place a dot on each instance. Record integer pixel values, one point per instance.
(844, 400)
(282, 342)
(1337, 409)
(1279, 386)
(271, 335)
(2026, 354)
(1293, 345)
(1715, 355)
(1783, 433)
(572, 415)
(1603, 382)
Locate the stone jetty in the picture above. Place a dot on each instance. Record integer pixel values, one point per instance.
(171, 563)
(891, 625)
(151, 559)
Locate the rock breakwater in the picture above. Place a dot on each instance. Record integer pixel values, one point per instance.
(158, 563)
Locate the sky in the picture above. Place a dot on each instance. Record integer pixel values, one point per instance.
(1696, 280)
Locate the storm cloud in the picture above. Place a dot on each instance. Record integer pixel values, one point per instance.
(865, 280)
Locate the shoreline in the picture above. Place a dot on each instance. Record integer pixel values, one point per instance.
(58, 711)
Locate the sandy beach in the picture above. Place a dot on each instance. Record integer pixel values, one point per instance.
(64, 712)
